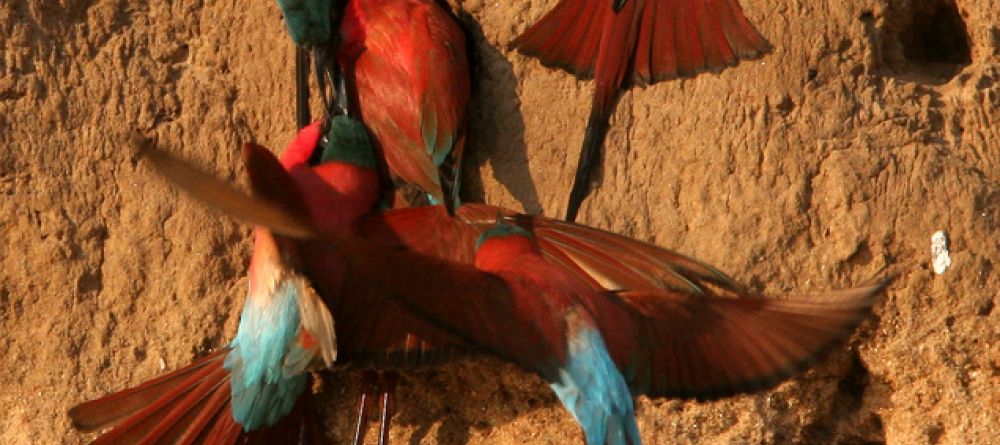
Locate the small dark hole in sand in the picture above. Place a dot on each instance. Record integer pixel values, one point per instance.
(937, 34)
(924, 41)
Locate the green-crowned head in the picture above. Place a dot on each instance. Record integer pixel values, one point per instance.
(347, 141)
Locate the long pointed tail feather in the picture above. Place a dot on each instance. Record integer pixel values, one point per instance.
(642, 41)
(617, 42)
(593, 141)
(302, 115)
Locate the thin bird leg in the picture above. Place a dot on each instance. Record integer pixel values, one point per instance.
(340, 105)
(387, 391)
(302, 117)
(370, 383)
(321, 63)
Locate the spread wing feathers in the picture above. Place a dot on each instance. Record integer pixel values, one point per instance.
(390, 334)
(664, 38)
(717, 347)
(473, 305)
(189, 405)
(212, 191)
(368, 336)
(607, 261)
(413, 89)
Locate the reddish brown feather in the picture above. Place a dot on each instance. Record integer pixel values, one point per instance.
(663, 59)
(547, 39)
(744, 38)
(409, 75)
(224, 432)
(647, 266)
(109, 409)
(134, 428)
(709, 347)
(204, 417)
(672, 38)
(594, 255)
(270, 181)
(187, 406)
(177, 420)
(708, 34)
(458, 298)
(689, 53)
(581, 51)
(642, 63)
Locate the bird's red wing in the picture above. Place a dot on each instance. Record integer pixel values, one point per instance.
(390, 106)
(373, 328)
(429, 230)
(445, 84)
(608, 261)
(708, 348)
(184, 406)
(478, 307)
(671, 38)
(413, 88)
(616, 262)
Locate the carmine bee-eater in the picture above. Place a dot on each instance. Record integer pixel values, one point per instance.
(408, 81)
(406, 74)
(594, 347)
(622, 42)
(252, 390)
(557, 336)
(401, 68)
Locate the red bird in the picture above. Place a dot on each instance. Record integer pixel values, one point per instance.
(255, 390)
(688, 341)
(679, 337)
(642, 42)
(408, 80)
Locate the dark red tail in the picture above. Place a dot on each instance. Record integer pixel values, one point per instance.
(669, 38)
(187, 406)
(645, 41)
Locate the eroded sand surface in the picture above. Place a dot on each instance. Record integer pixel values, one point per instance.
(870, 126)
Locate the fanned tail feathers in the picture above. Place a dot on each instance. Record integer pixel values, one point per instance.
(187, 406)
(675, 38)
(645, 41)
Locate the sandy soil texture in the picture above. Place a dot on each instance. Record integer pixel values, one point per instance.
(871, 125)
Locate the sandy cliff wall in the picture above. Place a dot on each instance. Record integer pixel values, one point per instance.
(872, 124)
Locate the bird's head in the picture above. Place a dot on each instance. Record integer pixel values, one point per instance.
(347, 142)
(503, 242)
